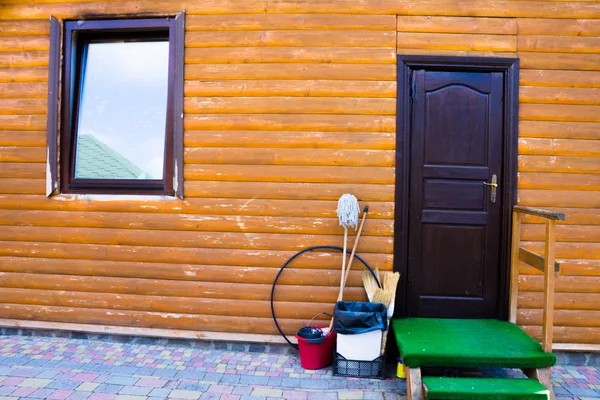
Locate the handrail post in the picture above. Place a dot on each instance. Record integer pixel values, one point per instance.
(514, 266)
(549, 281)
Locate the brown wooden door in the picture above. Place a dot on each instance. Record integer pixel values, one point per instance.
(454, 227)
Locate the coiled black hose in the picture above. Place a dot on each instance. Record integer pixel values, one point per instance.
(294, 257)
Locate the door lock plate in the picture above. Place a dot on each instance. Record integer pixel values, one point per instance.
(493, 186)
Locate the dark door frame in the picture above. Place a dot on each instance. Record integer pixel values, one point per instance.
(510, 68)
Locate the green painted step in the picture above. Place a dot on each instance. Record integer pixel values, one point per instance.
(467, 343)
(441, 388)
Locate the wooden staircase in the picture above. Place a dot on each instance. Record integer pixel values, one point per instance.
(486, 343)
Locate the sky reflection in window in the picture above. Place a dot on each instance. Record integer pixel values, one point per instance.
(122, 114)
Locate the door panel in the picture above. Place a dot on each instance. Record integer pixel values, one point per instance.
(452, 195)
(454, 227)
(461, 140)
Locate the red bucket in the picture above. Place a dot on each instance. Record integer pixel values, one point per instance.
(317, 355)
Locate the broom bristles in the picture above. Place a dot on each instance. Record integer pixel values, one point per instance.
(390, 282)
(381, 296)
(368, 283)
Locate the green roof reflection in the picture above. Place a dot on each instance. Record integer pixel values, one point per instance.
(95, 160)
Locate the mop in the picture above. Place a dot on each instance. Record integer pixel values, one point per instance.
(347, 212)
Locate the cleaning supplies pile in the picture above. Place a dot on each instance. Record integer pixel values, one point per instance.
(347, 212)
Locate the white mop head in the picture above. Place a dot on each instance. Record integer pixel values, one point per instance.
(348, 210)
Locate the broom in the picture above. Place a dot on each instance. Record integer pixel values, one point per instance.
(387, 296)
(369, 282)
(347, 211)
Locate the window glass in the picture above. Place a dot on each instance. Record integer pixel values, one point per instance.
(122, 110)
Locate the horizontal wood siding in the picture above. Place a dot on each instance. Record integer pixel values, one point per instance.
(288, 105)
(562, 95)
(565, 165)
(283, 114)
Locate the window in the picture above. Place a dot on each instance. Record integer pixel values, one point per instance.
(122, 104)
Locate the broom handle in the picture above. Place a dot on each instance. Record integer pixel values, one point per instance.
(384, 338)
(343, 268)
(364, 217)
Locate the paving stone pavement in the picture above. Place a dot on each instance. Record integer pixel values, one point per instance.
(73, 369)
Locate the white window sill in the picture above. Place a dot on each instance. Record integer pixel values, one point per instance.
(114, 197)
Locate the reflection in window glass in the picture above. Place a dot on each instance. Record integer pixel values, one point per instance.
(122, 112)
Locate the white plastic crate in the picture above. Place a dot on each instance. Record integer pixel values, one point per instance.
(360, 347)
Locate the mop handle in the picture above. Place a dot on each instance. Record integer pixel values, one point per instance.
(343, 268)
(364, 217)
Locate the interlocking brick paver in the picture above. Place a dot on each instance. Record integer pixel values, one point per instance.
(135, 390)
(290, 382)
(295, 395)
(71, 369)
(212, 377)
(314, 384)
(102, 396)
(230, 379)
(350, 395)
(160, 392)
(87, 387)
(60, 394)
(260, 391)
(108, 388)
(322, 396)
(6, 390)
(150, 382)
(12, 381)
(26, 372)
(122, 380)
(122, 370)
(85, 377)
(23, 391)
(185, 394)
(44, 394)
(393, 396)
(34, 382)
(79, 396)
(242, 390)
(363, 384)
(47, 374)
(165, 373)
(231, 397)
(224, 389)
(190, 375)
(210, 396)
(337, 384)
(583, 392)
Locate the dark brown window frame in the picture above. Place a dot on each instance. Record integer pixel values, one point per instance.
(75, 32)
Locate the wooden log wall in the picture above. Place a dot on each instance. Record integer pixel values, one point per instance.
(288, 105)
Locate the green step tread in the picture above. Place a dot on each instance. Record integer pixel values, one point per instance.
(442, 388)
(467, 343)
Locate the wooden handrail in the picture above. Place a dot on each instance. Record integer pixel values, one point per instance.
(538, 212)
(546, 263)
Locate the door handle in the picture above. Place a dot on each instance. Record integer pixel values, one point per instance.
(493, 185)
